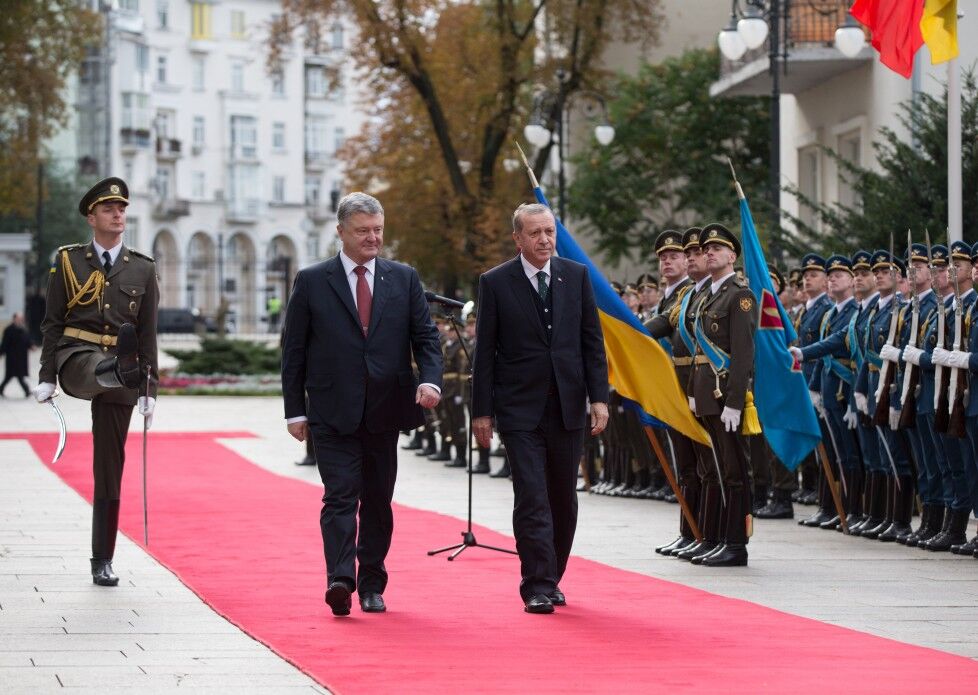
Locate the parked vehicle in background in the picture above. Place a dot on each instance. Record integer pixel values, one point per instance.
(183, 321)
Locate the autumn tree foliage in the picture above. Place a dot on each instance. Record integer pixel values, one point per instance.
(452, 84)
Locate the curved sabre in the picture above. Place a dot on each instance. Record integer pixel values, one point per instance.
(62, 430)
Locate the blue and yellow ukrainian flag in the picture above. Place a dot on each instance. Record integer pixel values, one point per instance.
(780, 392)
(638, 368)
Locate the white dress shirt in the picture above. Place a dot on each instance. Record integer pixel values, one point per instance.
(113, 252)
(811, 302)
(715, 286)
(349, 266)
(531, 270)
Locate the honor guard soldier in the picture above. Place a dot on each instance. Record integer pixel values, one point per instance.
(832, 381)
(889, 486)
(809, 322)
(648, 295)
(924, 304)
(99, 342)
(674, 332)
(723, 365)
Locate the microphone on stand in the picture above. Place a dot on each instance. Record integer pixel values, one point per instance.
(444, 301)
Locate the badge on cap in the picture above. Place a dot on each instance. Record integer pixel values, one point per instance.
(114, 189)
(713, 233)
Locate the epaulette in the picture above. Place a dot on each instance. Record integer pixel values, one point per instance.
(146, 256)
(740, 283)
(71, 247)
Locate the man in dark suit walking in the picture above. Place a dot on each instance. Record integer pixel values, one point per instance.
(352, 326)
(539, 359)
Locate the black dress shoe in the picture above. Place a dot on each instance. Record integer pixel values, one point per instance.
(831, 524)
(503, 472)
(779, 507)
(701, 548)
(372, 603)
(666, 549)
(338, 598)
(539, 604)
(481, 468)
(102, 573)
(557, 597)
(816, 519)
(730, 555)
(453, 463)
(307, 461)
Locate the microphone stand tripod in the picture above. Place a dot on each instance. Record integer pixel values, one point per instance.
(468, 538)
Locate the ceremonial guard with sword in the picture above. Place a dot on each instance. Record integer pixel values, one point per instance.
(99, 344)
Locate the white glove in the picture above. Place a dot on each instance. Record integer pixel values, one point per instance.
(850, 418)
(816, 399)
(912, 354)
(44, 392)
(730, 419)
(146, 405)
(796, 353)
(692, 404)
(862, 403)
(958, 359)
(458, 400)
(890, 354)
(940, 355)
(894, 419)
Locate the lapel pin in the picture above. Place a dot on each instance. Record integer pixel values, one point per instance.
(560, 279)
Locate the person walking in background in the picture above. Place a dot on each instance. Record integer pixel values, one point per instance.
(14, 346)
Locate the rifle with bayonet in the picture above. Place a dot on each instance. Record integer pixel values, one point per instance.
(886, 386)
(911, 374)
(941, 374)
(958, 380)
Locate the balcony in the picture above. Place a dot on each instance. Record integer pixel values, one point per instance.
(317, 160)
(320, 213)
(170, 209)
(132, 139)
(808, 54)
(167, 149)
(242, 210)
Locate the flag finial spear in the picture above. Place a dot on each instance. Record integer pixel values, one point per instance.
(740, 191)
(529, 170)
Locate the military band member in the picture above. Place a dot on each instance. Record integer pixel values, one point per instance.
(921, 438)
(724, 328)
(99, 340)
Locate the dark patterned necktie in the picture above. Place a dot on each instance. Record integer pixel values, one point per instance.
(106, 262)
(364, 298)
(542, 288)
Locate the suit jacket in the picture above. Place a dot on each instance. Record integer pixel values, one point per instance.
(351, 379)
(516, 364)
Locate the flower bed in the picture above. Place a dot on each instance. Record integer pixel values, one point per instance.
(220, 384)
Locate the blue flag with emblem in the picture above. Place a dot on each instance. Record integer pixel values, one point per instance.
(780, 392)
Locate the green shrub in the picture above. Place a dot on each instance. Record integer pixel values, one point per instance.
(222, 356)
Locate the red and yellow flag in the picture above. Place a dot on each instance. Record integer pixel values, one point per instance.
(939, 27)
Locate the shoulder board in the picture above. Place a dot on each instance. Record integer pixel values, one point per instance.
(740, 283)
(140, 254)
(71, 247)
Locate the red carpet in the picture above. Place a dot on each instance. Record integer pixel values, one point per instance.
(247, 541)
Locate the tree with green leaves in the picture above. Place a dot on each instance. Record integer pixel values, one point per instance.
(907, 188)
(667, 166)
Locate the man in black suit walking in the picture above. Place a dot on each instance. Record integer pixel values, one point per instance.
(539, 359)
(353, 323)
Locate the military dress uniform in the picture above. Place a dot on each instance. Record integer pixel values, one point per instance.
(725, 322)
(99, 338)
(665, 327)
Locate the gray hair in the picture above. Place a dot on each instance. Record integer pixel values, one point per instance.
(527, 209)
(356, 202)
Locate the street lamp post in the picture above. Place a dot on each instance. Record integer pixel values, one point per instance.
(538, 135)
(749, 27)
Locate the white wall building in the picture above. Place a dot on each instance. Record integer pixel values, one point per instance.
(232, 168)
(14, 249)
(830, 101)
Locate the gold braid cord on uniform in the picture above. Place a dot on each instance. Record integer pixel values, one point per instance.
(751, 424)
(678, 306)
(81, 295)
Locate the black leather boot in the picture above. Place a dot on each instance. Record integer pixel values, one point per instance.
(710, 514)
(954, 532)
(482, 466)
(967, 548)
(733, 551)
(778, 507)
(692, 495)
(825, 504)
(903, 499)
(853, 499)
(503, 471)
(874, 503)
(930, 524)
(430, 445)
(444, 452)
(123, 368)
(415, 442)
(105, 524)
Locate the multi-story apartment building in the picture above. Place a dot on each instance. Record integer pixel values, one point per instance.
(231, 164)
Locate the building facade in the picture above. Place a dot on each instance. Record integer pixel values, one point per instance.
(232, 163)
(14, 251)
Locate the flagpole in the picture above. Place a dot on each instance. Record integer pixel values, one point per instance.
(954, 204)
(671, 477)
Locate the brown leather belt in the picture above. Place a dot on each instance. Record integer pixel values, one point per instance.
(687, 361)
(89, 337)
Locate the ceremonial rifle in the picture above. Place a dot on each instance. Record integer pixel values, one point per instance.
(957, 382)
(881, 417)
(911, 375)
(941, 375)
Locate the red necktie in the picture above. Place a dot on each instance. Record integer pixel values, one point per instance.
(364, 298)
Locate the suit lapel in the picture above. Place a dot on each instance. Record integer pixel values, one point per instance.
(93, 259)
(558, 290)
(521, 291)
(382, 290)
(341, 286)
(119, 261)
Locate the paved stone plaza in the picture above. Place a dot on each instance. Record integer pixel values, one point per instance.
(152, 634)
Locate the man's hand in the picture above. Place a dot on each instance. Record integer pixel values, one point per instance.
(427, 397)
(912, 355)
(862, 403)
(599, 417)
(940, 355)
(482, 428)
(299, 430)
(146, 406)
(890, 354)
(692, 404)
(44, 391)
(796, 353)
(959, 359)
(730, 417)
(850, 418)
